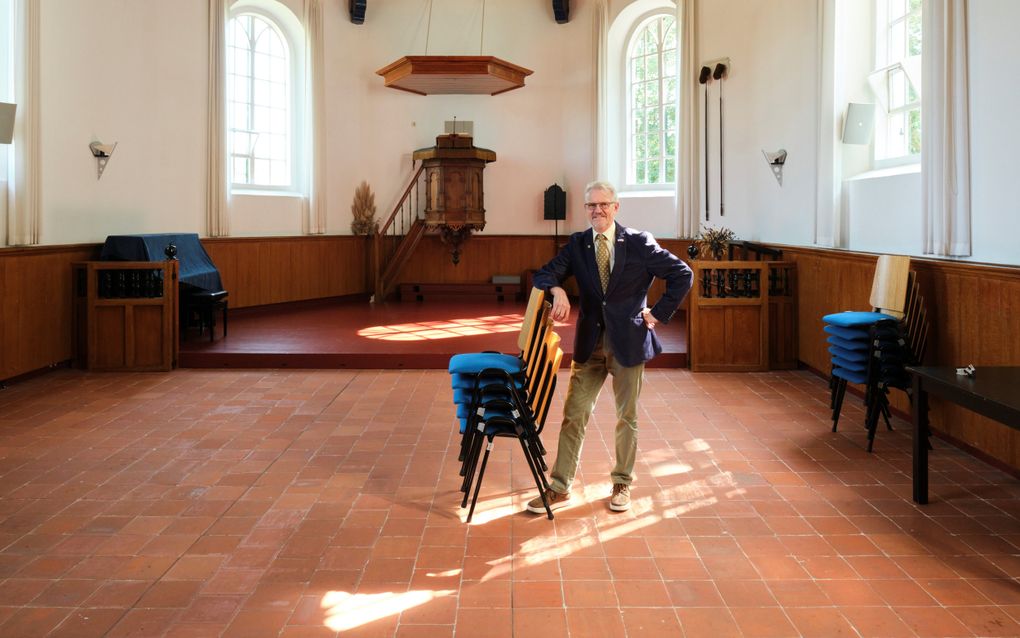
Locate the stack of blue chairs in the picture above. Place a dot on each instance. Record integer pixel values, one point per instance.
(500, 409)
(864, 344)
(465, 368)
(866, 348)
(492, 391)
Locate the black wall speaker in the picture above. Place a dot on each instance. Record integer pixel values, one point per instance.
(555, 203)
(358, 8)
(561, 9)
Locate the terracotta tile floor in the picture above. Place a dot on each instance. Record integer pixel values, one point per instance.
(307, 503)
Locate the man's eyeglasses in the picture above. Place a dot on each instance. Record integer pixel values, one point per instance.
(594, 205)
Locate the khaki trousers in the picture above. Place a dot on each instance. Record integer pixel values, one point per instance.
(586, 381)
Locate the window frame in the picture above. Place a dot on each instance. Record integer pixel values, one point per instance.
(628, 172)
(289, 30)
(887, 64)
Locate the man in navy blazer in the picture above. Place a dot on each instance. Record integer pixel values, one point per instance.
(614, 267)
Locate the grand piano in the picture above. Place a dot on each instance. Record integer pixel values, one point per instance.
(201, 289)
(196, 269)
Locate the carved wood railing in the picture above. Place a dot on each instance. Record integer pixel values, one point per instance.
(396, 240)
(742, 316)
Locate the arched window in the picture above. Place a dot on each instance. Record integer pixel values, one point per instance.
(652, 71)
(262, 102)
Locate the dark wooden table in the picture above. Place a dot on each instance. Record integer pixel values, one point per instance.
(993, 392)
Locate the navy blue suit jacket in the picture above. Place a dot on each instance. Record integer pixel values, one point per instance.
(638, 259)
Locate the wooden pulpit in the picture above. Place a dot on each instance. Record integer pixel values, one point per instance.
(454, 195)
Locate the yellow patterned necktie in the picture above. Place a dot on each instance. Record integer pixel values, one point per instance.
(602, 259)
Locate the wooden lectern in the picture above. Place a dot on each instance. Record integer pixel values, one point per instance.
(454, 197)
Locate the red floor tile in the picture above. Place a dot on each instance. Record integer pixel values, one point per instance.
(303, 503)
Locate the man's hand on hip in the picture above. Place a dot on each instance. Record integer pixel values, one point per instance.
(649, 318)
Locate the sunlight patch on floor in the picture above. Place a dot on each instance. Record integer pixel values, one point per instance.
(444, 329)
(345, 611)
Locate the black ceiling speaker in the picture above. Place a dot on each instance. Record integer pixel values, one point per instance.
(561, 9)
(358, 8)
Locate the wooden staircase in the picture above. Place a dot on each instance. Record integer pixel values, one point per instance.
(395, 242)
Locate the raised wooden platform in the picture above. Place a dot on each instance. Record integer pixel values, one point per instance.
(356, 334)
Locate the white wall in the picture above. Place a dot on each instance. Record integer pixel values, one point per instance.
(541, 133)
(994, 129)
(135, 73)
(769, 102)
(131, 73)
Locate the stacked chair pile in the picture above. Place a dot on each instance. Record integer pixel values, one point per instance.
(874, 348)
(504, 395)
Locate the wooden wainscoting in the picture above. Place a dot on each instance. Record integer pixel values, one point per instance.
(973, 310)
(267, 270)
(35, 319)
(35, 316)
(483, 256)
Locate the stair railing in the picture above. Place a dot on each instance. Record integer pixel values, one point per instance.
(396, 239)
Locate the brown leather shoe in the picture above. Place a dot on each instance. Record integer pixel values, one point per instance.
(556, 500)
(620, 500)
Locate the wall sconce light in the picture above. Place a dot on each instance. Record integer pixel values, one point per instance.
(102, 153)
(776, 161)
(7, 111)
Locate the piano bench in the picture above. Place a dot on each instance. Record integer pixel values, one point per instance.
(204, 304)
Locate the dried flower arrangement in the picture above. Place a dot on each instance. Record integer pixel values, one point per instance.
(363, 210)
(713, 241)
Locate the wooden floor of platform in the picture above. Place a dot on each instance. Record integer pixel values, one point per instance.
(356, 334)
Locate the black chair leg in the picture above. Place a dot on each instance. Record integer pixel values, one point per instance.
(466, 440)
(887, 415)
(840, 392)
(476, 451)
(478, 483)
(881, 404)
(538, 476)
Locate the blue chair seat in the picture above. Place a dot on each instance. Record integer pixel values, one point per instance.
(850, 334)
(464, 395)
(475, 362)
(850, 375)
(855, 319)
(859, 356)
(467, 381)
(847, 344)
(853, 366)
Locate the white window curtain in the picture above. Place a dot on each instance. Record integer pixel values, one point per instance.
(945, 136)
(23, 179)
(217, 180)
(314, 217)
(600, 42)
(688, 194)
(829, 196)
